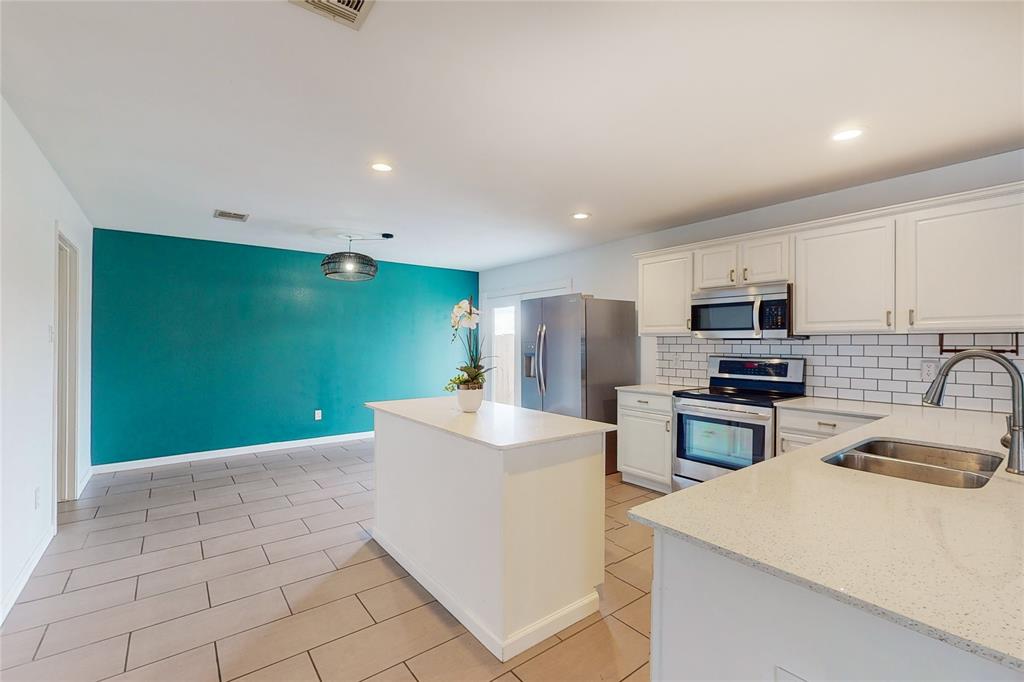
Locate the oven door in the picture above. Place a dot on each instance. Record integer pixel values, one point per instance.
(733, 318)
(712, 441)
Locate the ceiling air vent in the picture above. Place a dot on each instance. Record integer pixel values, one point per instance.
(231, 215)
(352, 13)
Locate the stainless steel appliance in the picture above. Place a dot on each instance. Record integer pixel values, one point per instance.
(731, 423)
(576, 350)
(762, 312)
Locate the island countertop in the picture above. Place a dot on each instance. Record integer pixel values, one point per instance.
(497, 425)
(945, 562)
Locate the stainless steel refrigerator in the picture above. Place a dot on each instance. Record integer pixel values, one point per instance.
(575, 350)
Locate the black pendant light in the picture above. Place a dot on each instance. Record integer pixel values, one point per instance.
(349, 266)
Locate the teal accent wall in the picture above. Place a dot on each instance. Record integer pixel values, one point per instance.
(201, 345)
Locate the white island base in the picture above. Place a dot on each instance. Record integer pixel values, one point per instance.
(498, 514)
(714, 618)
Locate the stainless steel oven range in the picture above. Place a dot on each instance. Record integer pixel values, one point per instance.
(731, 423)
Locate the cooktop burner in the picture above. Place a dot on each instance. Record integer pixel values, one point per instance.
(723, 394)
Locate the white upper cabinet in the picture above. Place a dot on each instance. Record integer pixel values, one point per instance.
(664, 294)
(752, 261)
(961, 267)
(764, 260)
(716, 266)
(845, 278)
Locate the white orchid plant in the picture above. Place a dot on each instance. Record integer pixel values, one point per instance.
(471, 373)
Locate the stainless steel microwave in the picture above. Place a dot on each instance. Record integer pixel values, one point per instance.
(763, 312)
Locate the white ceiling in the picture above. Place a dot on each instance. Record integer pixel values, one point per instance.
(501, 118)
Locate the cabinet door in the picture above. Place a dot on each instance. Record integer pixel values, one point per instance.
(765, 260)
(716, 267)
(645, 445)
(845, 278)
(961, 267)
(664, 294)
(788, 442)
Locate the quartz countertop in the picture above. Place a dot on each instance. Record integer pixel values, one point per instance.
(945, 562)
(649, 389)
(495, 424)
(857, 408)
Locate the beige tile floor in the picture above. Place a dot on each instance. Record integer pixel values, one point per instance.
(260, 567)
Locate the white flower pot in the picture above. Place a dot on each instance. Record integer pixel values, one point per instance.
(469, 399)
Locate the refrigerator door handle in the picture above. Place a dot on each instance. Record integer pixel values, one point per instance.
(542, 339)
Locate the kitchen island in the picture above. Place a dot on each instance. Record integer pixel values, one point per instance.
(798, 569)
(498, 513)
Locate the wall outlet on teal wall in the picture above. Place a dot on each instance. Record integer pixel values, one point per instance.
(201, 345)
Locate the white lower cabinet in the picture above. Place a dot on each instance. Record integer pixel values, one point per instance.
(645, 446)
(788, 442)
(797, 428)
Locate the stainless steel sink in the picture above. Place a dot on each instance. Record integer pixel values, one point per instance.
(919, 462)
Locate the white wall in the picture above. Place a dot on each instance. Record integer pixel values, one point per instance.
(34, 203)
(609, 270)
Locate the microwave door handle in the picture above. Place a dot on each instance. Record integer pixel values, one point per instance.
(757, 317)
(734, 415)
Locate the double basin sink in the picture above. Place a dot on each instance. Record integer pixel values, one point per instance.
(919, 462)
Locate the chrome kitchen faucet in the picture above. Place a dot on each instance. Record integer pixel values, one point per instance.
(1014, 438)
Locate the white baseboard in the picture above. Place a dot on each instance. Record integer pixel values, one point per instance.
(517, 642)
(83, 481)
(226, 452)
(25, 573)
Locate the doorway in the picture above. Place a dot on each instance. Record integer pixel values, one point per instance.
(503, 340)
(67, 369)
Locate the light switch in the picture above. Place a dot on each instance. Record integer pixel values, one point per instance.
(318, 415)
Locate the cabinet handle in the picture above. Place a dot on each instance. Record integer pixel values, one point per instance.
(888, 318)
(687, 323)
(910, 315)
(828, 424)
(744, 274)
(642, 402)
(732, 275)
(668, 427)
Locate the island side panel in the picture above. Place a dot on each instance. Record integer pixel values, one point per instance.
(554, 537)
(438, 514)
(716, 618)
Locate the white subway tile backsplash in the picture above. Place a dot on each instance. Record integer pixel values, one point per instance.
(871, 367)
(979, 404)
(895, 386)
(865, 339)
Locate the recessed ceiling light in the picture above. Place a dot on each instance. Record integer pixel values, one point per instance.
(382, 167)
(580, 215)
(847, 135)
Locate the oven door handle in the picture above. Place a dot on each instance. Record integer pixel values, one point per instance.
(734, 415)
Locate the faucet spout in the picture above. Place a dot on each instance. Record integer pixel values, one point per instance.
(1014, 438)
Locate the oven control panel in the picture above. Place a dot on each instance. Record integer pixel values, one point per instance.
(753, 368)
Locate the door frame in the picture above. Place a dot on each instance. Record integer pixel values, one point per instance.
(66, 340)
(514, 296)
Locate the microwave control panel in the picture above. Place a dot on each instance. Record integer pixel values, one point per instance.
(773, 314)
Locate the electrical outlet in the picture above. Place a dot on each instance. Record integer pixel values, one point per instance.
(36, 503)
(929, 369)
(318, 415)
